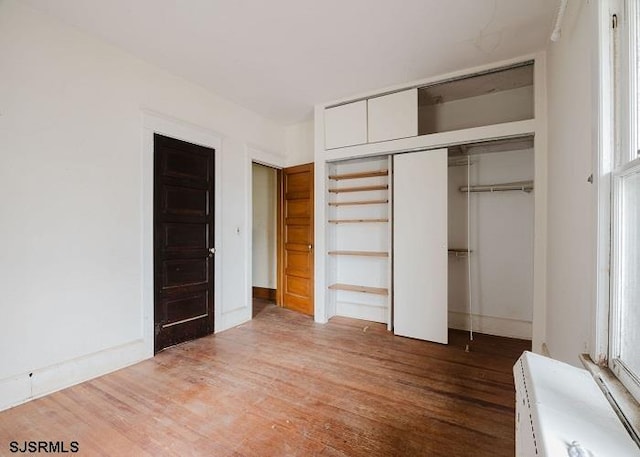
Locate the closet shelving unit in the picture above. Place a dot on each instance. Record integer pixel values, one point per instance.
(359, 254)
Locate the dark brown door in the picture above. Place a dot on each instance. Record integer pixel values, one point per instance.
(183, 241)
(297, 278)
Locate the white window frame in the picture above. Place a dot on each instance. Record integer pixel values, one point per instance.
(624, 162)
(630, 380)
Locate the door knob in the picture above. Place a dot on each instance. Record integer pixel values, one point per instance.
(310, 246)
(212, 251)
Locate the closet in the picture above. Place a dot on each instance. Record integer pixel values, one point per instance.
(463, 240)
(427, 238)
(490, 231)
(486, 98)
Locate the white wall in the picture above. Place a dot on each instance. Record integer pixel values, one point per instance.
(72, 200)
(571, 232)
(299, 143)
(264, 246)
(502, 243)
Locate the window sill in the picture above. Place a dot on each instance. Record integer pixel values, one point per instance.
(622, 402)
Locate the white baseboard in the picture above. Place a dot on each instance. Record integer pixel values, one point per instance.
(28, 386)
(511, 328)
(233, 318)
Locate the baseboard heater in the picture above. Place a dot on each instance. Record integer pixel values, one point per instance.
(561, 412)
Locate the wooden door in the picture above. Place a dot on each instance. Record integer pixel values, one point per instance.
(420, 245)
(183, 241)
(297, 243)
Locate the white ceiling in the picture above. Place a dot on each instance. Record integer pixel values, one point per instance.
(280, 57)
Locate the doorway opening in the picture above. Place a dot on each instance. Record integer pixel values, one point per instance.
(282, 238)
(265, 234)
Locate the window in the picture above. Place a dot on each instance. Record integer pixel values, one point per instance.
(624, 349)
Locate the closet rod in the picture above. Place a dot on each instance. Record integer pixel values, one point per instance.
(525, 186)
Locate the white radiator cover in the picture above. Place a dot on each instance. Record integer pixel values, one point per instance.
(560, 411)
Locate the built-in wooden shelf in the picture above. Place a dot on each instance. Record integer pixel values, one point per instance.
(359, 202)
(362, 174)
(363, 289)
(358, 189)
(361, 253)
(355, 221)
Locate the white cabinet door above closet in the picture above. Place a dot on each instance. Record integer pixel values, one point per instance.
(345, 125)
(393, 116)
(420, 245)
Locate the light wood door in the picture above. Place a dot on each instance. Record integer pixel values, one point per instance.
(297, 245)
(420, 245)
(183, 241)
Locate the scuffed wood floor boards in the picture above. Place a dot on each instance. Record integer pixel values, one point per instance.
(282, 385)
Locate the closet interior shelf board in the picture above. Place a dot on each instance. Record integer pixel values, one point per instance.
(355, 221)
(363, 289)
(359, 202)
(358, 189)
(363, 174)
(361, 253)
(525, 186)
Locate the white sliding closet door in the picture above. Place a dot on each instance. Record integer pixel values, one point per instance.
(420, 245)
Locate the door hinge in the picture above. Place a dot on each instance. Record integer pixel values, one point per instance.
(614, 21)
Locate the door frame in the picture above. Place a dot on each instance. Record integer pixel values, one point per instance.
(157, 123)
(271, 160)
(278, 234)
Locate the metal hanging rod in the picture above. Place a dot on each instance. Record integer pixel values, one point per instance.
(524, 186)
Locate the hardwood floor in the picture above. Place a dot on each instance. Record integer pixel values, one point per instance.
(282, 385)
(259, 304)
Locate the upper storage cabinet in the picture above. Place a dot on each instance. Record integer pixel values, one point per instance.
(345, 125)
(393, 116)
(492, 97)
